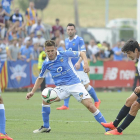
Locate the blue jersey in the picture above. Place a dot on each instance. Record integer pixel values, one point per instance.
(61, 68)
(77, 44)
(26, 51)
(117, 57)
(6, 5)
(60, 49)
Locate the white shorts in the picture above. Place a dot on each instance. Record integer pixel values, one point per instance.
(78, 91)
(83, 77)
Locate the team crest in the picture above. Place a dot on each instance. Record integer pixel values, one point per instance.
(81, 94)
(61, 59)
(73, 43)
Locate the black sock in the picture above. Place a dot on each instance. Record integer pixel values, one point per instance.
(126, 122)
(122, 114)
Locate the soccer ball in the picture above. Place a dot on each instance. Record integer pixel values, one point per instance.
(49, 95)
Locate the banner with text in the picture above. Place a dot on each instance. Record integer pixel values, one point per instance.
(117, 74)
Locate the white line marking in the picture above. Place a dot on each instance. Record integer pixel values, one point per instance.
(50, 120)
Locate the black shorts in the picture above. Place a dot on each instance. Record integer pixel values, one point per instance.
(138, 100)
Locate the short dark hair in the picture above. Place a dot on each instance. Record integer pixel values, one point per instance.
(71, 24)
(50, 43)
(130, 45)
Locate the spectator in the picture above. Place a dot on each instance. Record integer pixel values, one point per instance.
(56, 35)
(125, 58)
(14, 31)
(104, 43)
(17, 17)
(57, 27)
(25, 52)
(99, 45)
(31, 36)
(30, 43)
(39, 39)
(60, 44)
(3, 13)
(35, 52)
(38, 27)
(93, 47)
(6, 4)
(13, 51)
(31, 16)
(20, 42)
(118, 55)
(89, 54)
(3, 53)
(41, 58)
(109, 54)
(101, 54)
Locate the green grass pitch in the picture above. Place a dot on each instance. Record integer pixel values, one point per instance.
(22, 117)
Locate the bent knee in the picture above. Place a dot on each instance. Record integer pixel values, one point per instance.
(129, 102)
(135, 106)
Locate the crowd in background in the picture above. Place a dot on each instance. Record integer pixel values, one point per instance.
(22, 37)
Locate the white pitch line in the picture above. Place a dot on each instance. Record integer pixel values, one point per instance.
(50, 120)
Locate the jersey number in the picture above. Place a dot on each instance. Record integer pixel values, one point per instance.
(59, 69)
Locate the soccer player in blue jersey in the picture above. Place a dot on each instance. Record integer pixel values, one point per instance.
(6, 4)
(76, 43)
(66, 80)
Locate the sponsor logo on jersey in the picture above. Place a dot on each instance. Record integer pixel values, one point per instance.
(70, 49)
(81, 94)
(51, 64)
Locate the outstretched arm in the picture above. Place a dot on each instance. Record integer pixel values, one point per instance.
(37, 84)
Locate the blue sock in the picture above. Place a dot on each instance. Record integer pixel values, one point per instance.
(2, 119)
(92, 93)
(100, 118)
(45, 115)
(66, 102)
